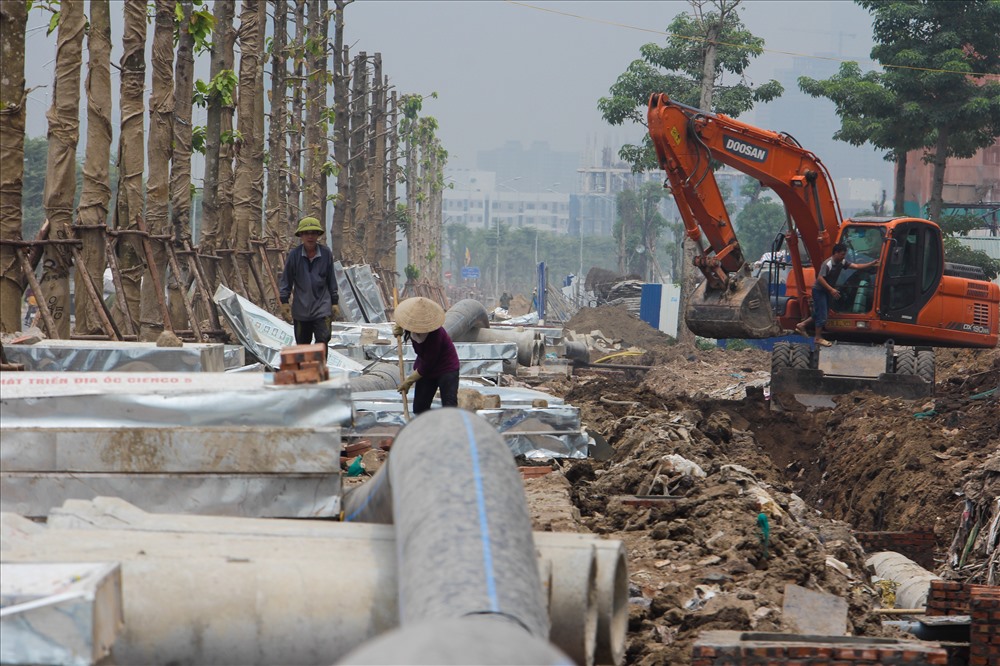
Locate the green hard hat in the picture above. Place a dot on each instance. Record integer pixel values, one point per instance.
(309, 224)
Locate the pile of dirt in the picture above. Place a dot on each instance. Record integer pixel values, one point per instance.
(697, 558)
(618, 324)
(696, 562)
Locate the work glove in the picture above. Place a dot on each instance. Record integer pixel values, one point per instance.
(397, 330)
(405, 385)
(286, 312)
(335, 312)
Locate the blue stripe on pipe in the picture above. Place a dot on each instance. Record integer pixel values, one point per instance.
(484, 528)
(368, 498)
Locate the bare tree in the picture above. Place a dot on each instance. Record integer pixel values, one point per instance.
(13, 22)
(341, 130)
(96, 194)
(60, 173)
(315, 95)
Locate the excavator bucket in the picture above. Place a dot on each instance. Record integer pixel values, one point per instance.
(742, 311)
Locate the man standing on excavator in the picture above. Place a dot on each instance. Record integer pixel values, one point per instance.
(823, 290)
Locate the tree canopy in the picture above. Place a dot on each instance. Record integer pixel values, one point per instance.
(676, 68)
(939, 88)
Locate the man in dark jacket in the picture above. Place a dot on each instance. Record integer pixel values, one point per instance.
(309, 273)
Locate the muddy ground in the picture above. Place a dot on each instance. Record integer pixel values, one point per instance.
(697, 430)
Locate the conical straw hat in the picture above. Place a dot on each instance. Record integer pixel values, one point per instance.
(419, 315)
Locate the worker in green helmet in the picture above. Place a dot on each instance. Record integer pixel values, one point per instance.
(308, 273)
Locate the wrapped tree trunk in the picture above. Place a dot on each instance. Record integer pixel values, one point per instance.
(96, 194)
(388, 241)
(358, 164)
(314, 105)
(324, 147)
(180, 164)
(295, 205)
(158, 152)
(60, 173)
(341, 136)
(13, 21)
(131, 159)
(277, 204)
(375, 238)
(217, 201)
(246, 203)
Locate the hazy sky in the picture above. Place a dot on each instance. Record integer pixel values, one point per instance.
(531, 70)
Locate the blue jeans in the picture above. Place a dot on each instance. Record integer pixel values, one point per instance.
(821, 306)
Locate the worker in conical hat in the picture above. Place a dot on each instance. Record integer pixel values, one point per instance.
(421, 321)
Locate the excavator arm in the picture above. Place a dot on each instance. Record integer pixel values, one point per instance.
(686, 139)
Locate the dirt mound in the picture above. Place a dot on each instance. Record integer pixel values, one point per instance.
(696, 560)
(696, 556)
(617, 323)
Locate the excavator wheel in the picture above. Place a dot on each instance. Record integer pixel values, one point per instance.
(801, 357)
(925, 365)
(906, 362)
(781, 356)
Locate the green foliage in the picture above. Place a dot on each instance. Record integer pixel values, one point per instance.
(639, 226)
(33, 189)
(412, 273)
(329, 168)
(736, 344)
(957, 252)
(221, 87)
(705, 344)
(198, 139)
(402, 217)
(941, 60)
(201, 26)
(759, 222)
(676, 69)
(53, 24)
(231, 137)
(959, 224)
(516, 248)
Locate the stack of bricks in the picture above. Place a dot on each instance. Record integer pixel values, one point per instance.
(984, 637)
(948, 597)
(302, 364)
(918, 546)
(735, 648)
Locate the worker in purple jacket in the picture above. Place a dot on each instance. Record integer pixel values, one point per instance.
(421, 321)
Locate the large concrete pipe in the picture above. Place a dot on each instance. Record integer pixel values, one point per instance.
(466, 554)
(527, 347)
(466, 546)
(468, 640)
(464, 316)
(576, 351)
(335, 547)
(914, 581)
(379, 377)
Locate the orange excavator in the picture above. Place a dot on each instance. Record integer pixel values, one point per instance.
(888, 318)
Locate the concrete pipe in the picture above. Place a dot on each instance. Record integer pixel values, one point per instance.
(469, 585)
(611, 587)
(464, 316)
(370, 550)
(576, 351)
(527, 346)
(474, 639)
(914, 581)
(574, 605)
(380, 377)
